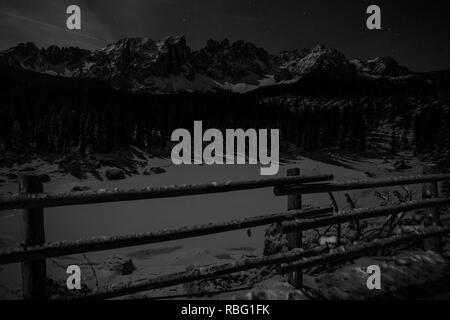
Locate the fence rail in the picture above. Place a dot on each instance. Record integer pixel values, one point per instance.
(364, 213)
(23, 201)
(335, 186)
(290, 262)
(63, 248)
(292, 223)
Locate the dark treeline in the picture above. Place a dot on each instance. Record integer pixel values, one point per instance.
(58, 115)
(401, 122)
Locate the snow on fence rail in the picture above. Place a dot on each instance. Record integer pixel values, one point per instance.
(34, 251)
(23, 201)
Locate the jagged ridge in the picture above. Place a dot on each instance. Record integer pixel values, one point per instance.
(168, 65)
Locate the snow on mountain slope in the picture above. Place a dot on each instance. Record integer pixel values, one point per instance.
(168, 65)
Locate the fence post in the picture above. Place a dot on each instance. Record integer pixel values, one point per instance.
(34, 273)
(430, 190)
(294, 239)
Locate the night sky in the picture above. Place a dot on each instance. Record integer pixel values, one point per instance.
(416, 33)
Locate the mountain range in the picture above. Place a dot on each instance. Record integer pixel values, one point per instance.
(170, 66)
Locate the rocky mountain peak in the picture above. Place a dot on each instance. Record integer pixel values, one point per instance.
(52, 60)
(24, 55)
(134, 61)
(66, 55)
(322, 61)
(145, 45)
(287, 56)
(383, 66)
(223, 60)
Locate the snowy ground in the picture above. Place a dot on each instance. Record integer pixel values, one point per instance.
(71, 223)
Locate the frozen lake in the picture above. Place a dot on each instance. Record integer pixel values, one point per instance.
(71, 223)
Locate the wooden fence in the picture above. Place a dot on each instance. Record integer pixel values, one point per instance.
(34, 250)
